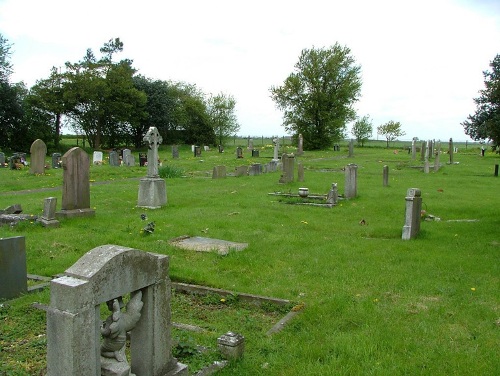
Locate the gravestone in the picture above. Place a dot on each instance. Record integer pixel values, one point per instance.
(351, 148)
(206, 148)
(255, 169)
(175, 151)
(48, 218)
(113, 158)
(143, 159)
(272, 166)
(413, 213)
(276, 143)
(13, 281)
(239, 152)
(221, 149)
(250, 144)
(300, 146)
(127, 158)
(2, 160)
(197, 151)
(336, 147)
(430, 146)
(450, 150)
(219, 172)
(385, 176)
(56, 160)
(76, 185)
(426, 159)
(97, 158)
(333, 195)
(152, 189)
(300, 172)
(104, 275)
(38, 151)
(241, 171)
(288, 166)
(437, 153)
(17, 161)
(351, 181)
(422, 151)
(255, 153)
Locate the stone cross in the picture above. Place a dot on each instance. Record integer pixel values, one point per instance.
(153, 139)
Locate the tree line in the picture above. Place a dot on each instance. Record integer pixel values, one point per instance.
(105, 101)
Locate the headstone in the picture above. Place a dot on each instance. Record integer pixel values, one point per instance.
(219, 172)
(300, 172)
(351, 181)
(231, 345)
(300, 146)
(333, 195)
(426, 159)
(413, 149)
(272, 166)
(276, 143)
(113, 158)
(351, 148)
(430, 146)
(413, 213)
(97, 158)
(48, 218)
(450, 150)
(336, 147)
(76, 185)
(143, 159)
(221, 149)
(197, 151)
(422, 151)
(206, 148)
(255, 169)
(255, 153)
(239, 152)
(2, 160)
(103, 276)
(38, 151)
(56, 160)
(250, 144)
(127, 158)
(241, 171)
(175, 151)
(436, 156)
(13, 281)
(152, 189)
(386, 176)
(17, 161)
(288, 165)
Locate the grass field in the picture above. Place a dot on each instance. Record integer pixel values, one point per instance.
(374, 304)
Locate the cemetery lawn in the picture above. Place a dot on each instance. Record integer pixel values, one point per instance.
(372, 303)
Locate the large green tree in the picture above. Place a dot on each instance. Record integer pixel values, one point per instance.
(391, 131)
(100, 97)
(362, 129)
(485, 122)
(221, 109)
(317, 98)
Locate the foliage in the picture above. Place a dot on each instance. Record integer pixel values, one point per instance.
(362, 129)
(221, 110)
(5, 64)
(485, 122)
(317, 99)
(391, 131)
(170, 171)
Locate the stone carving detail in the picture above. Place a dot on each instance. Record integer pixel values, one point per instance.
(114, 329)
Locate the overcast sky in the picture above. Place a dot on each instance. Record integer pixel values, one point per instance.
(421, 61)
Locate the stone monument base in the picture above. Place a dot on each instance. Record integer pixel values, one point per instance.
(75, 213)
(49, 222)
(152, 193)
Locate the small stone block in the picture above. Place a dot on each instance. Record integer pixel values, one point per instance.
(231, 345)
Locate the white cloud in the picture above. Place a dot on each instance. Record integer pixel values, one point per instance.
(421, 62)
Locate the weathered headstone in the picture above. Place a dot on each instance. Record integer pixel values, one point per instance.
(351, 181)
(127, 158)
(385, 176)
(113, 158)
(221, 149)
(300, 172)
(250, 143)
(255, 153)
(333, 195)
(351, 148)
(76, 185)
(56, 160)
(175, 151)
(288, 166)
(255, 169)
(426, 159)
(450, 150)
(413, 149)
(2, 160)
(241, 171)
(104, 275)
(197, 151)
(48, 218)
(13, 281)
(436, 157)
(276, 143)
(300, 146)
(17, 161)
(423, 148)
(152, 188)
(231, 345)
(219, 172)
(38, 151)
(206, 148)
(143, 159)
(272, 166)
(413, 213)
(239, 152)
(97, 158)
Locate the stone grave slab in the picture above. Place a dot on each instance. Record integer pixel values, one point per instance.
(201, 244)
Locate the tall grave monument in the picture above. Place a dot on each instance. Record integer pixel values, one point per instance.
(38, 151)
(152, 188)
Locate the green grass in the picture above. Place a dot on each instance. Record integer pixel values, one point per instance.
(374, 304)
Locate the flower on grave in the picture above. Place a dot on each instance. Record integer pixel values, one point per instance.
(223, 300)
(473, 289)
(304, 222)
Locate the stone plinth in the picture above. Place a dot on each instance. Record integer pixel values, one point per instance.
(152, 193)
(231, 345)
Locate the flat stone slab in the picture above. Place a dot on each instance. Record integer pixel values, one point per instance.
(200, 244)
